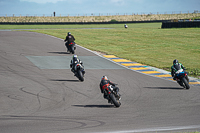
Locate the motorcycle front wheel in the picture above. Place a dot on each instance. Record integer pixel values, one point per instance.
(114, 100)
(80, 75)
(186, 84)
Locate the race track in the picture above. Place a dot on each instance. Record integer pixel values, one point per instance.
(39, 93)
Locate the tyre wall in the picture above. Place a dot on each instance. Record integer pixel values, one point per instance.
(67, 23)
(188, 24)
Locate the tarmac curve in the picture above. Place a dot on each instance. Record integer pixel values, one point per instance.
(38, 94)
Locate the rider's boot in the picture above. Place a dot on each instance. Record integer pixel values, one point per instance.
(75, 73)
(180, 83)
(117, 91)
(109, 101)
(106, 97)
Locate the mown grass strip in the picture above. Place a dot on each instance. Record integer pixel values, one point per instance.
(143, 43)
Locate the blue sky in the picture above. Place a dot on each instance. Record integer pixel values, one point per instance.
(103, 7)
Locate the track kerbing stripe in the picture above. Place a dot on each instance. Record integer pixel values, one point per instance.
(146, 69)
(165, 75)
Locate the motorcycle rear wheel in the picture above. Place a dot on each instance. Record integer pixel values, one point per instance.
(72, 49)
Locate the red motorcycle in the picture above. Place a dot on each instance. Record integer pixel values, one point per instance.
(71, 47)
(113, 97)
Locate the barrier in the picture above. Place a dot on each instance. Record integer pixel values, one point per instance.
(181, 24)
(67, 23)
(165, 23)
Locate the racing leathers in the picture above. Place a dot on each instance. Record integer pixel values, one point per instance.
(70, 38)
(104, 84)
(73, 64)
(175, 67)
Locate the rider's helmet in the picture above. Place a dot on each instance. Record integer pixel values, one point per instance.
(75, 58)
(69, 33)
(104, 78)
(175, 61)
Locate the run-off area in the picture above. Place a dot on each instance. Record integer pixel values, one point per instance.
(63, 62)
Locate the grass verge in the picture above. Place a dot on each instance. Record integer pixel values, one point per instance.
(145, 43)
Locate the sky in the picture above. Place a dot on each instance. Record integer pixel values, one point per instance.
(95, 7)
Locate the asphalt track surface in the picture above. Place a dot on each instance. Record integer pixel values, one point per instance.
(39, 94)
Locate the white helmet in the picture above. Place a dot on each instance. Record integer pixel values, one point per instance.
(104, 78)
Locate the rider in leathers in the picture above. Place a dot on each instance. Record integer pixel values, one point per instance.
(74, 61)
(175, 67)
(104, 84)
(69, 38)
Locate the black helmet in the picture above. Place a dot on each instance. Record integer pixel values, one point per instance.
(175, 61)
(69, 33)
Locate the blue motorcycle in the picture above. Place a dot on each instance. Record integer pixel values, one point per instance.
(182, 79)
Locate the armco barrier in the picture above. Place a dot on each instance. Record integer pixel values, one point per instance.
(165, 23)
(67, 23)
(182, 24)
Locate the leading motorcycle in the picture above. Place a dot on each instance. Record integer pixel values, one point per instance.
(112, 96)
(182, 79)
(71, 47)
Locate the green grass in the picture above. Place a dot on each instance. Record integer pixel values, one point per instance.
(75, 26)
(138, 17)
(143, 43)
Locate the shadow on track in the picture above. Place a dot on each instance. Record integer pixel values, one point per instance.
(95, 106)
(169, 88)
(59, 52)
(64, 80)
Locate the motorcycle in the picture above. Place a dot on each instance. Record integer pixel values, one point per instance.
(79, 71)
(182, 79)
(112, 96)
(71, 47)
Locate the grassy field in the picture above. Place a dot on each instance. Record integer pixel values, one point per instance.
(76, 26)
(144, 43)
(133, 17)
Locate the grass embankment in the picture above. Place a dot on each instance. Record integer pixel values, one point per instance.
(144, 43)
(134, 17)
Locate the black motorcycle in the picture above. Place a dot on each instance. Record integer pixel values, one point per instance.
(182, 79)
(79, 71)
(112, 96)
(71, 47)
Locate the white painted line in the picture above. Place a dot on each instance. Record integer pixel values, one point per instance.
(173, 128)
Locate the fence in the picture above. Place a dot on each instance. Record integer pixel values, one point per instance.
(97, 14)
(67, 23)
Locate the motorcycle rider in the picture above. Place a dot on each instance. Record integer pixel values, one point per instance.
(74, 61)
(175, 67)
(104, 84)
(125, 26)
(69, 38)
